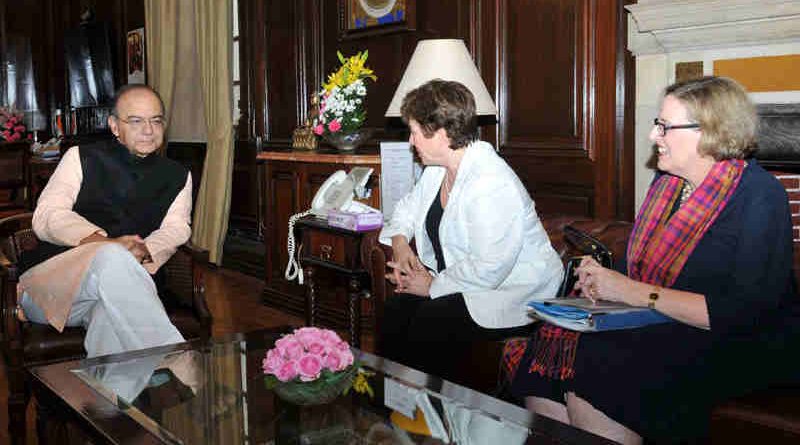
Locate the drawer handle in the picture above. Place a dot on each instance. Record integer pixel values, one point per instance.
(327, 250)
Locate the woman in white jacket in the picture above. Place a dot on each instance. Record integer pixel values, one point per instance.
(482, 251)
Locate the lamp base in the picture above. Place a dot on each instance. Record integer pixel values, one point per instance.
(417, 425)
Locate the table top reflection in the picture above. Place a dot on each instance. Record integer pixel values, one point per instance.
(215, 393)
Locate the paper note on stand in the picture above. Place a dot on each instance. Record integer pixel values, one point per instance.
(397, 175)
(399, 397)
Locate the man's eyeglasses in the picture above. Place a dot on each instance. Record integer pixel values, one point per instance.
(662, 128)
(137, 123)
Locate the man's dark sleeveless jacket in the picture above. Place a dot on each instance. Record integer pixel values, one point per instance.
(122, 193)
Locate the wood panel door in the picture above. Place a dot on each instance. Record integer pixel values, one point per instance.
(558, 92)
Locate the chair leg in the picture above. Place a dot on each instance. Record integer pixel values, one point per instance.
(50, 427)
(18, 398)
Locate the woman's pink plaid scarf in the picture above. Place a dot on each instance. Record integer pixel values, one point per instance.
(660, 244)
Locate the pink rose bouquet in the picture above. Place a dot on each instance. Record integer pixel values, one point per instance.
(310, 366)
(11, 126)
(307, 354)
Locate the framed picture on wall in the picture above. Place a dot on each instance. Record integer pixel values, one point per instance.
(361, 18)
(135, 56)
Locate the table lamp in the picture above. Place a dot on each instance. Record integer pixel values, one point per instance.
(35, 122)
(446, 59)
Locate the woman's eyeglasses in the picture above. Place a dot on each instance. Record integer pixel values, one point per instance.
(662, 127)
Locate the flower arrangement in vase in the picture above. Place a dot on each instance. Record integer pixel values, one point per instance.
(341, 103)
(11, 126)
(310, 366)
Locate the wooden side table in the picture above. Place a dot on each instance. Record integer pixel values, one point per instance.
(327, 249)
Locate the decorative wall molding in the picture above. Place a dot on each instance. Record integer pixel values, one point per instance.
(665, 26)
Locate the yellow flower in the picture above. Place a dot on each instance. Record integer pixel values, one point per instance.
(361, 384)
(352, 69)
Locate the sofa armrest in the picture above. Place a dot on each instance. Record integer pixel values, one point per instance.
(373, 257)
(185, 282)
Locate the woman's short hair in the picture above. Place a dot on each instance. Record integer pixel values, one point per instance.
(443, 104)
(726, 115)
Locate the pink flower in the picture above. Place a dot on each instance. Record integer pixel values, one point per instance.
(9, 124)
(319, 129)
(289, 347)
(14, 137)
(19, 128)
(272, 362)
(334, 126)
(310, 366)
(347, 358)
(6, 134)
(287, 371)
(29, 137)
(336, 361)
(307, 335)
(330, 337)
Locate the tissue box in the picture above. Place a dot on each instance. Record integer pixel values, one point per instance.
(359, 222)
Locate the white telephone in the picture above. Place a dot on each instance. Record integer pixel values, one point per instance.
(337, 192)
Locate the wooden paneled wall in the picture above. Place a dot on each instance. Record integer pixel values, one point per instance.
(558, 70)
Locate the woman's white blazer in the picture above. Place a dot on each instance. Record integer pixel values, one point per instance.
(497, 252)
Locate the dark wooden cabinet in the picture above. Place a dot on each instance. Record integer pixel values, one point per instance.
(14, 164)
(291, 179)
(333, 255)
(40, 171)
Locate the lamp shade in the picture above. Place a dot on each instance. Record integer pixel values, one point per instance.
(446, 59)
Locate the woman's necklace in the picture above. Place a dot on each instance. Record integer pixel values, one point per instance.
(446, 186)
(447, 183)
(686, 192)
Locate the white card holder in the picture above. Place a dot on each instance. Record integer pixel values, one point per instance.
(406, 399)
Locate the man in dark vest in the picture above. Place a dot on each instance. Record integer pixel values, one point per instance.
(111, 214)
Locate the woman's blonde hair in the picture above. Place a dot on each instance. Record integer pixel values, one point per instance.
(726, 115)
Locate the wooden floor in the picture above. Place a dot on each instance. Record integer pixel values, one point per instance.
(234, 300)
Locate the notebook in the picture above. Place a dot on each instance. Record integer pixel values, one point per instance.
(581, 314)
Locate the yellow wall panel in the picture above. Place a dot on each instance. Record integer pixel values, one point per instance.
(762, 74)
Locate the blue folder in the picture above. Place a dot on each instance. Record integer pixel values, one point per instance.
(580, 314)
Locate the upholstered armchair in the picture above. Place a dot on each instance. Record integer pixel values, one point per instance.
(25, 344)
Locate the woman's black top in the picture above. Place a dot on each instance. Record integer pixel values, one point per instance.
(432, 221)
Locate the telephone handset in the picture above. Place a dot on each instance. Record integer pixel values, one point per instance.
(338, 190)
(336, 193)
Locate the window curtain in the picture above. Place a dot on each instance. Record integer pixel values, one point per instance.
(161, 37)
(173, 67)
(213, 26)
(189, 50)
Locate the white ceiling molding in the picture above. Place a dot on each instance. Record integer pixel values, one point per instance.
(664, 26)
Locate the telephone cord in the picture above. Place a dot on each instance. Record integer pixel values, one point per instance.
(293, 269)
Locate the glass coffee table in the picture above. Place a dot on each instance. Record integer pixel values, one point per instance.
(214, 393)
